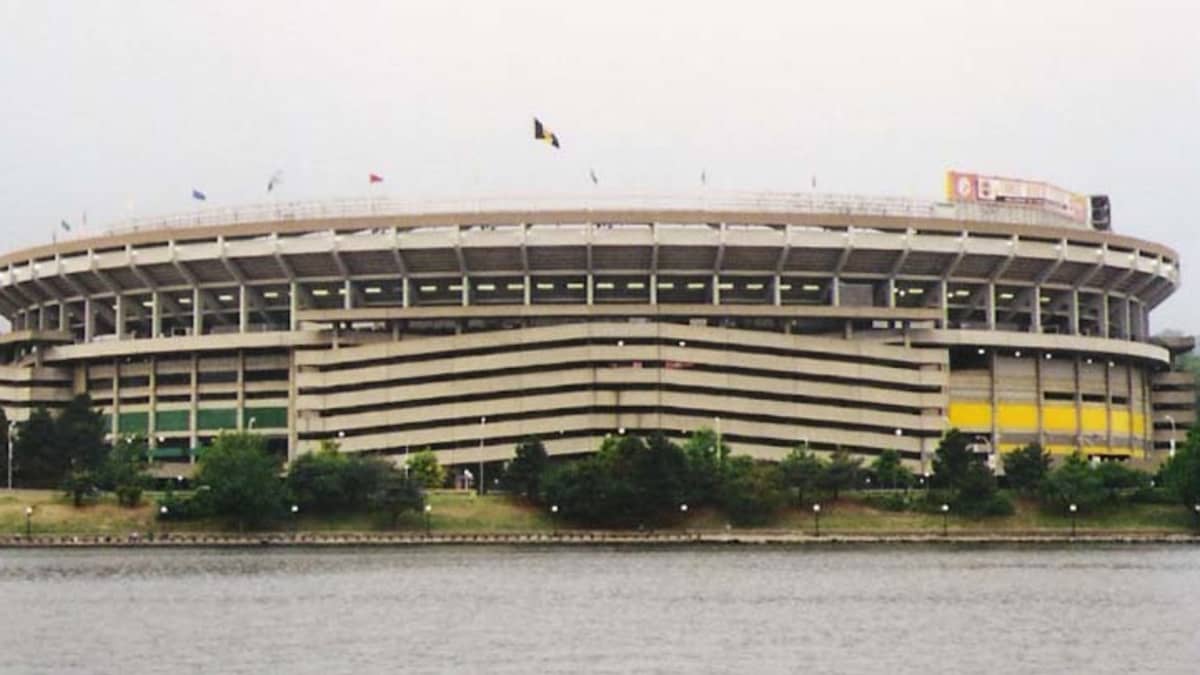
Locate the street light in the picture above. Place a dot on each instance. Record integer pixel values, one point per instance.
(1074, 509)
(554, 518)
(945, 520)
(1196, 508)
(482, 422)
(295, 517)
(252, 421)
(1170, 451)
(28, 521)
(816, 520)
(428, 508)
(12, 433)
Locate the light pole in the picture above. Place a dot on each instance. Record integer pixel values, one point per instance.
(12, 433)
(28, 521)
(428, 508)
(554, 518)
(816, 520)
(945, 520)
(482, 422)
(1196, 508)
(252, 421)
(1074, 510)
(295, 517)
(162, 515)
(683, 511)
(1170, 451)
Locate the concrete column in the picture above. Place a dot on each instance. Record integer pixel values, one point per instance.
(1074, 312)
(1036, 312)
(155, 314)
(528, 290)
(116, 399)
(777, 291)
(835, 292)
(294, 305)
(1104, 315)
(405, 292)
(41, 322)
(194, 406)
(891, 293)
(64, 317)
(151, 422)
(591, 289)
(243, 309)
(654, 288)
(716, 289)
(944, 302)
(119, 316)
(89, 320)
(990, 305)
(466, 291)
(197, 312)
(242, 420)
(347, 295)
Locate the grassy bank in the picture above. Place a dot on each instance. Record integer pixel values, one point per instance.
(464, 512)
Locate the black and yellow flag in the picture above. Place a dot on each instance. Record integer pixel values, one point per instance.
(541, 133)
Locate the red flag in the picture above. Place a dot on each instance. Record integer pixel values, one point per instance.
(375, 178)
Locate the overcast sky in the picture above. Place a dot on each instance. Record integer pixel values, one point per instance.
(120, 108)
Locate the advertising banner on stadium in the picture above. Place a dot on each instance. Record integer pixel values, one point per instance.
(973, 187)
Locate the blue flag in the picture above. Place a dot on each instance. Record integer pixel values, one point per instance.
(196, 194)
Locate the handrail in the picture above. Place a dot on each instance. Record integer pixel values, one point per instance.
(761, 202)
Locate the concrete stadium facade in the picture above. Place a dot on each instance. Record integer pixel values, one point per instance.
(855, 322)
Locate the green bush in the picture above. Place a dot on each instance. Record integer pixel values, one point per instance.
(129, 495)
(891, 501)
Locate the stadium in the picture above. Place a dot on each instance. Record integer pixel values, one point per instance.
(780, 319)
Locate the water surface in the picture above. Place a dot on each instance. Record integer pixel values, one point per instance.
(870, 609)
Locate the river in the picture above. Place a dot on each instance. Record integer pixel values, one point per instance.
(852, 609)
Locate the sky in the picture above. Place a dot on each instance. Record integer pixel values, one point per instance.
(120, 109)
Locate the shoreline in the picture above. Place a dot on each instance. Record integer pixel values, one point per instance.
(569, 538)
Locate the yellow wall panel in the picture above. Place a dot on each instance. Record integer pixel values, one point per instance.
(1017, 416)
(970, 414)
(1120, 422)
(1059, 417)
(1139, 425)
(1095, 419)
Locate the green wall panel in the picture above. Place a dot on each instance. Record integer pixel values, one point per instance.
(171, 420)
(221, 418)
(133, 423)
(267, 418)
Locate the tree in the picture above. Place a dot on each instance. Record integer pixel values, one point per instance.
(841, 472)
(36, 460)
(659, 472)
(952, 459)
(524, 474)
(4, 439)
(1118, 476)
(395, 494)
(1074, 481)
(423, 467)
(1026, 468)
(801, 470)
(124, 470)
(752, 491)
(706, 461)
(241, 479)
(79, 434)
(79, 485)
(1181, 473)
(890, 471)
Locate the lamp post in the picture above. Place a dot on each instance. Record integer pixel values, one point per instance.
(428, 508)
(1196, 509)
(554, 518)
(945, 520)
(816, 520)
(162, 515)
(28, 521)
(12, 433)
(1074, 510)
(295, 517)
(1170, 450)
(252, 421)
(683, 511)
(482, 422)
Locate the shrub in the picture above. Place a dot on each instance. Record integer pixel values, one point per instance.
(889, 502)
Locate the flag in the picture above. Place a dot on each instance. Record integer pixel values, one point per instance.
(592, 173)
(65, 226)
(276, 179)
(541, 133)
(374, 178)
(198, 195)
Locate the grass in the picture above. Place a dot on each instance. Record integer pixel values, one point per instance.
(453, 511)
